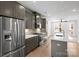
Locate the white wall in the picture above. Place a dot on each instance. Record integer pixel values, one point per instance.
(48, 26)
(51, 19)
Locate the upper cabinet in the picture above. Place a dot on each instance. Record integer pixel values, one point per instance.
(34, 21)
(12, 9)
(19, 11)
(37, 20)
(30, 21)
(6, 8)
(43, 24)
(40, 22)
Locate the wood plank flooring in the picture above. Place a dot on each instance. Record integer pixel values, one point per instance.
(73, 49)
(44, 50)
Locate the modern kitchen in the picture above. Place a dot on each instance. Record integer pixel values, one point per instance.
(39, 28)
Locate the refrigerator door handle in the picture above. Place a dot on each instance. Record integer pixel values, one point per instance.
(18, 28)
(15, 32)
(15, 26)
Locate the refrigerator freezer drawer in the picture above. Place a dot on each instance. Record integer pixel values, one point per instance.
(18, 52)
(7, 55)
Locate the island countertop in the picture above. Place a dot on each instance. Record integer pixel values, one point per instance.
(58, 39)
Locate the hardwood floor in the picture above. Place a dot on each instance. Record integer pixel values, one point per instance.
(73, 49)
(44, 50)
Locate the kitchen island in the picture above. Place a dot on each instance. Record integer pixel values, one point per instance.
(58, 47)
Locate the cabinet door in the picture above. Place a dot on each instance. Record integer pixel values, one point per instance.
(39, 40)
(58, 48)
(36, 41)
(43, 25)
(33, 21)
(19, 11)
(27, 46)
(6, 8)
(12, 9)
(31, 44)
(28, 20)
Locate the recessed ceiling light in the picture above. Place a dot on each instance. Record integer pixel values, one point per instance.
(74, 10)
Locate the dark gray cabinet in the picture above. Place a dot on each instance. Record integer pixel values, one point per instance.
(29, 20)
(43, 24)
(12, 9)
(58, 48)
(34, 21)
(37, 20)
(30, 44)
(6, 8)
(19, 11)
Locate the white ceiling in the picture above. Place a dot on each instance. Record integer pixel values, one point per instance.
(56, 9)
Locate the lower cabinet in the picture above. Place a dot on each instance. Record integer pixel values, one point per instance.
(30, 44)
(58, 48)
(39, 40)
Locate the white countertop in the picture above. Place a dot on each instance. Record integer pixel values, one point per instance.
(29, 36)
(58, 39)
(70, 39)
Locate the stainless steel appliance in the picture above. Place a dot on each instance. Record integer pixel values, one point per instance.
(12, 37)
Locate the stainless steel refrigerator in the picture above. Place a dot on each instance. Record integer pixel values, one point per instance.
(12, 37)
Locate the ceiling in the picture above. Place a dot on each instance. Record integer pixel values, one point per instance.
(54, 9)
